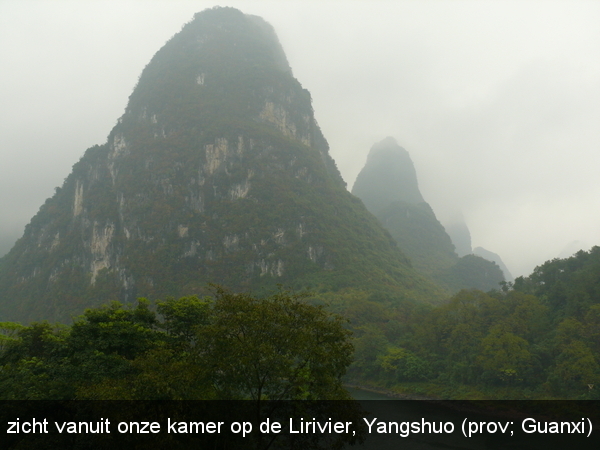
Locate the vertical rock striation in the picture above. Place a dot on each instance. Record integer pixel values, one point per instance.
(216, 172)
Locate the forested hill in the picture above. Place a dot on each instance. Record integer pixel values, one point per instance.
(538, 338)
(216, 172)
(570, 287)
(388, 186)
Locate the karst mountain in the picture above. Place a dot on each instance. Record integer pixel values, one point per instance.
(217, 172)
(388, 186)
(461, 238)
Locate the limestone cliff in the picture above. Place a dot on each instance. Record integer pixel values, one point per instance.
(216, 172)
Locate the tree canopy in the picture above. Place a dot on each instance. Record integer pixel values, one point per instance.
(229, 346)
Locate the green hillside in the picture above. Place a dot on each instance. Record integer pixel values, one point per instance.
(216, 172)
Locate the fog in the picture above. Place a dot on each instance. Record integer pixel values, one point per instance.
(498, 103)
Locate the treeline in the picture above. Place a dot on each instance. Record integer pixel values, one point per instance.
(230, 346)
(536, 338)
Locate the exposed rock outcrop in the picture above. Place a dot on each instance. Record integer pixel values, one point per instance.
(216, 172)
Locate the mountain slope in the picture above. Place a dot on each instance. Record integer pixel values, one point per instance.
(216, 172)
(491, 256)
(388, 186)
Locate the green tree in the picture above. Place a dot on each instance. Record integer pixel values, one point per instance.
(8, 333)
(400, 364)
(505, 356)
(115, 329)
(592, 327)
(575, 366)
(274, 348)
(463, 347)
(104, 342)
(183, 317)
(33, 363)
(370, 342)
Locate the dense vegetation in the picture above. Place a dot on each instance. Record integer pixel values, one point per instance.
(538, 338)
(218, 172)
(232, 346)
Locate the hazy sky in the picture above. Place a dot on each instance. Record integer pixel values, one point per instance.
(497, 102)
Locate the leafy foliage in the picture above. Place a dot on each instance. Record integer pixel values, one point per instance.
(536, 339)
(234, 346)
(274, 348)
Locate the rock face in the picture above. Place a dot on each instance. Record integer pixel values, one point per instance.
(216, 172)
(389, 188)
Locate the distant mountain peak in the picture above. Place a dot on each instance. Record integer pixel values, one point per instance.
(388, 187)
(387, 145)
(388, 176)
(217, 172)
(494, 257)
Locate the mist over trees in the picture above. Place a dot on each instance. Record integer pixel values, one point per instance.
(218, 172)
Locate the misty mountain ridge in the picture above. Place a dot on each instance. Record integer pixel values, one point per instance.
(461, 238)
(460, 235)
(572, 248)
(388, 186)
(494, 257)
(216, 172)
(390, 177)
